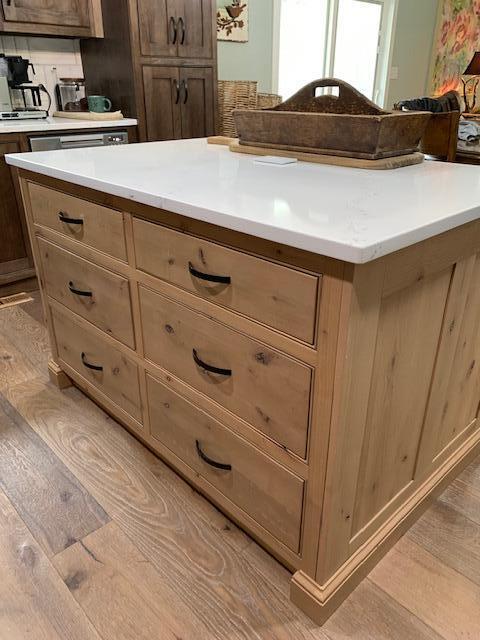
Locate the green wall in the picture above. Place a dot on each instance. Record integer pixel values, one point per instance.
(250, 60)
(413, 43)
(412, 50)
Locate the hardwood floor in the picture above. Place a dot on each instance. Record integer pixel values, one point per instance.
(101, 540)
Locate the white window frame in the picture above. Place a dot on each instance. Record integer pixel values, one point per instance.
(385, 46)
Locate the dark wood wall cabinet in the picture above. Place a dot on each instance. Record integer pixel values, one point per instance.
(158, 63)
(74, 18)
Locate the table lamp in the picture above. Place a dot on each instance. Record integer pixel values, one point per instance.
(472, 70)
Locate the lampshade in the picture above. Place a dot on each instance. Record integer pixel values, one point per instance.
(473, 68)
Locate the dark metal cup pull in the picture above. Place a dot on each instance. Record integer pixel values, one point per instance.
(94, 367)
(209, 367)
(207, 276)
(212, 463)
(79, 292)
(64, 218)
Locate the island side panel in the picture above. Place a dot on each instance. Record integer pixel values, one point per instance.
(406, 404)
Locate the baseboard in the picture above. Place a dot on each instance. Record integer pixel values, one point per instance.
(58, 376)
(319, 601)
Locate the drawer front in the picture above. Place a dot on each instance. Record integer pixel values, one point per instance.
(277, 296)
(268, 389)
(109, 370)
(108, 307)
(92, 225)
(270, 494)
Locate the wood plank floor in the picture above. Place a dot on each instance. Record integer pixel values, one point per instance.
(101, 540)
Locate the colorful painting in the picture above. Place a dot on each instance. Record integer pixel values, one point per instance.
(232, 21)
(458, 38)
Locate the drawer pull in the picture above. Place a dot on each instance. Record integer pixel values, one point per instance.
(94, 367)
(79, 292)
(209, 367)
(64, 218)
(173, 27)
(212, 463)
(208, 276)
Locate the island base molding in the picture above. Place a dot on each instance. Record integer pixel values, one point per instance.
(319, 602)
(320, 404)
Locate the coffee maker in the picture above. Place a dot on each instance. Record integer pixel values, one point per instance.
(24, 98)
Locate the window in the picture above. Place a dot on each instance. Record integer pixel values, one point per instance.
(346, 39)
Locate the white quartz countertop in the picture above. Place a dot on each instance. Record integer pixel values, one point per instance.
(61, 124)
(355, 215)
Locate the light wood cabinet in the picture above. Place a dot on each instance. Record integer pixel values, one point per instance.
(261, 385)
(159, 65)
(283, 298)
(325, 438)
(228, 462)
(84, 222)
(98, 295)
(105, 367)
(80, 18)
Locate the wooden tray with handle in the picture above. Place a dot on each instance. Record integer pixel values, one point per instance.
(348, 125)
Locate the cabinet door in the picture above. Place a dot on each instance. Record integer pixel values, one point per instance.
(157, 25)
(197, 102)
(162, 102)
(13, 243)
(52, 12)
(195, 22)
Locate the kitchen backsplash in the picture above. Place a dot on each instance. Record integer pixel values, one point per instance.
(52, 58)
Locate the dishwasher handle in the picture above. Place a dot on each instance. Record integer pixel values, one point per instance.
(79, 140)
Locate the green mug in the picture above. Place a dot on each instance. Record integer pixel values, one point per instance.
(99, 104)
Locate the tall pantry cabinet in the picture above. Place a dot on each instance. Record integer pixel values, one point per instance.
(158, 63)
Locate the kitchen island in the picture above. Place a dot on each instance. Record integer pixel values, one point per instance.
(300, 342)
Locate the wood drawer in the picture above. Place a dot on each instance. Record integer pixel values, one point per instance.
(81, 349)
(268, 389)
(267, 492)
(277, 296)
(100, 228)
(108, 307)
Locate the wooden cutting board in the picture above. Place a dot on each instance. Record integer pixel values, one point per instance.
(396, 162)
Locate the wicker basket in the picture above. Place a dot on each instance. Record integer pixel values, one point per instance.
(234, 94)
(268, 100)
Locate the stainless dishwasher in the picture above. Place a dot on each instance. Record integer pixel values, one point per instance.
(78, 140)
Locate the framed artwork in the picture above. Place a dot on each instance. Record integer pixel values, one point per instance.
(457, 39)
(232, 21)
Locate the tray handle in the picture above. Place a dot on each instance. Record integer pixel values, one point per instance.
(349, 100)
